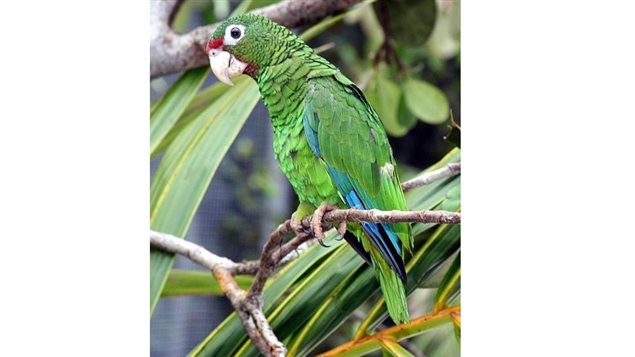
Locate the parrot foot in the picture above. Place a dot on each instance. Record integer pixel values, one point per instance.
(298, 228)
(316, 223)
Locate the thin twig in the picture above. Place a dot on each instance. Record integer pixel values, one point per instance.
(429, 177)
(267, 263)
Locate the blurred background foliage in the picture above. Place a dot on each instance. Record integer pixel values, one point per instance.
(214, 181)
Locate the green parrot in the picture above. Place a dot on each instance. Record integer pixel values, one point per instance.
(328, 140)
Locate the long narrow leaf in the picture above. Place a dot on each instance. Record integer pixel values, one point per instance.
(450, 283)
(187, 169)
(190, 282)
(197, 105)
(166, 112)
(318, 28)
(394, 348)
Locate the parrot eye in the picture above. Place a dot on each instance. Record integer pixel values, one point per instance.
(234, 33)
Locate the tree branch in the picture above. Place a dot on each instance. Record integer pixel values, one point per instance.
(192, 251)
(429, 177)
(171, 52)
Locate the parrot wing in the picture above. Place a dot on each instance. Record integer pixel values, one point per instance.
(345, 132)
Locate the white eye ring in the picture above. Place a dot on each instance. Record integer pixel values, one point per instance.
(229, 39)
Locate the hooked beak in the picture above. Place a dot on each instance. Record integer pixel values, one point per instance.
(224, 65)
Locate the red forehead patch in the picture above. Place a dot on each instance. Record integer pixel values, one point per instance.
(214, 43)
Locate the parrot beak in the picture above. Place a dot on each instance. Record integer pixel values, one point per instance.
(224, 65)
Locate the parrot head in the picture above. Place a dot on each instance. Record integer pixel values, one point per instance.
(242, 44)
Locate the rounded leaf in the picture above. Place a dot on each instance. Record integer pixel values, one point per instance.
(384, 95)
(426, 101)
(409, 22)
(405, 117)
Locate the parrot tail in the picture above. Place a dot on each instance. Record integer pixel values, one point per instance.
(392, 288)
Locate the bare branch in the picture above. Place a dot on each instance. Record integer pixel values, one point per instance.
(252, 317)
(377, 216)
(267, 263)
(194, 252)
(171, 52)
(429, 177)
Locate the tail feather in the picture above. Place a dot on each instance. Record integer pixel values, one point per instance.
(382, 236)
(392, 288)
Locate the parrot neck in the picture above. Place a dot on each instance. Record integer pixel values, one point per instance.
(283, 91)
(284, 86)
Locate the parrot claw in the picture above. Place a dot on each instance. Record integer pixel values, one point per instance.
(298, 228)
(316, 223)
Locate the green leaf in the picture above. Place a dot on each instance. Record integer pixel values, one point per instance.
(405, 117)
(445, 40)
(241, 8)
(196, 282)
(332, 311)
(384, 95)
(451, 283)
(187, 168)
(394, 349)
(318, 28)
(426, 101)
(410, 22)
(452, 200)
(167, 111)
(200, 102)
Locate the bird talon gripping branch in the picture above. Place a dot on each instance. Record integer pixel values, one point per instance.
(316, 223)
(297, 227)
